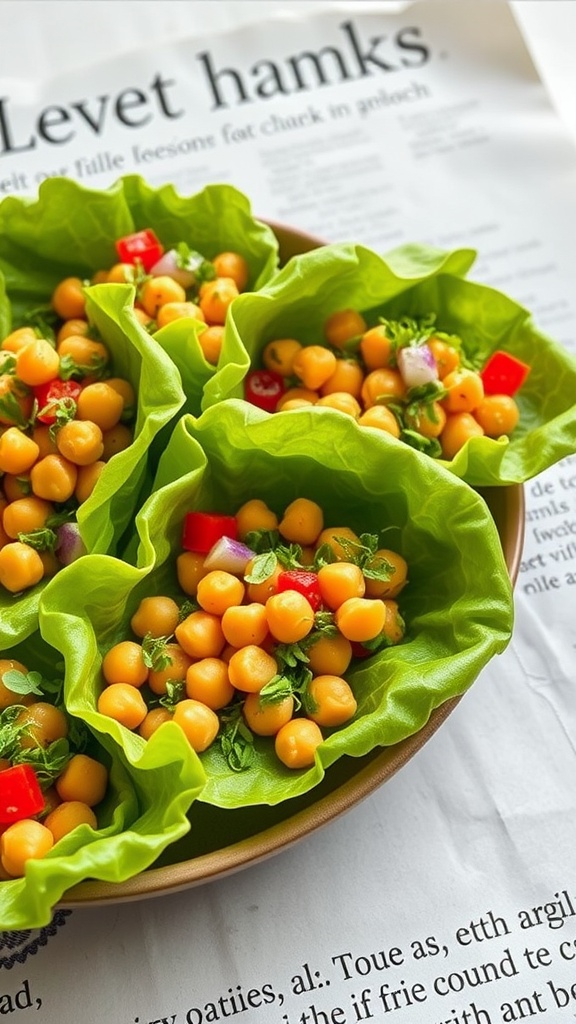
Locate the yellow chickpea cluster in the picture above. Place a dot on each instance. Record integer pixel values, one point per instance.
(62, 417)
(354, 369)
(162, 298)
(29, 724)
(226, 655)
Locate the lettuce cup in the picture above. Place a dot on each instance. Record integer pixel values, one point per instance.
(491, 416)
(61, 507)
(85, 811)
(456, 606)
(131, 232)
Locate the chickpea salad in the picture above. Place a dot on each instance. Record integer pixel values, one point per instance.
(405, 343)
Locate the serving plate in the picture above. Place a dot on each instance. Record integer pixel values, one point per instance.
(221, 842)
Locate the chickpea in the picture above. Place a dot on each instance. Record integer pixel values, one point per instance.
(54, 478)
(37, 363)
(83, 779)
(190, 570)
(459, 428)
(342, 326)
(8, 697)
(376, 348)
(153, 720)
(497, 415)
(234, 266)
(296, 743)
(25, 515)
(314, 365)
(215, 298)
(218, 590)
(210, 341)
(361, 618)
(245, 624)
(157, 291)
(266, 719)
(330, 655)
(18, 451)
(398, 574)
(68, 299)
(124, 703)
(23, 841)
(381, 418)
(115, 440)
(80, 442)
(250, 668)
(290, 616)
(348, 377)
(124, 663)
(339, 581)
(44, 724)
(171, 311)
(382, 384)
(21, 567)
(278, 355)
(200, 635)
(297, 395)
(155, 616)
(175, 671)
(207, 681)
(465, 391)
(254, 515)
(333, 700)
(68, 816)
(342, 402)
(199, 723)
(101, 404)
(302, 522)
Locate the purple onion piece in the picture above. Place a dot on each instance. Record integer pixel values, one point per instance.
(417, 365)
(69, 543)
(228, 555)
(169, 265)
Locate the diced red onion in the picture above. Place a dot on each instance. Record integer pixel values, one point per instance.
(69, 543)
(229, 555)
(417, 365)
(169, 265)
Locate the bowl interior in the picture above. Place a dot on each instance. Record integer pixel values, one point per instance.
(223, 841)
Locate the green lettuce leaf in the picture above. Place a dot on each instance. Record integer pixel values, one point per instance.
(108, 513)
(145, 808)
(458, 604)
(71, 230)
(415, 281)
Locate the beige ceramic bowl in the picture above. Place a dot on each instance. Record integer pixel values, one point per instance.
(207, 852)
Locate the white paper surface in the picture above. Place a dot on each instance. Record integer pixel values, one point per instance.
(449, 896)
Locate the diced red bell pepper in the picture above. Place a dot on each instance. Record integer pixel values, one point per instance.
(48, 397)
(202, 530)
(305, 582)
(503, 374)
(264, 388)
(142, 247)
(20, 794)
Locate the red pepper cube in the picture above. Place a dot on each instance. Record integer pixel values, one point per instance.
(503, 374)
(55, 395)
(305, 582)
(264, 388)
(141, 247)
(20, 794)
(203, 529)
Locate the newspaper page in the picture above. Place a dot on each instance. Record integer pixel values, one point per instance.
(448, 896)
